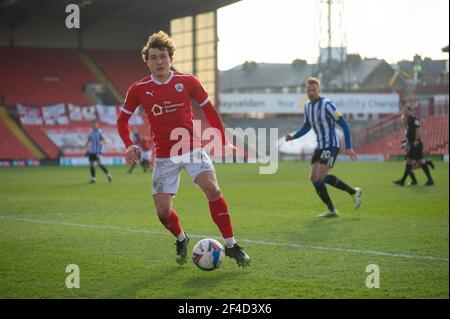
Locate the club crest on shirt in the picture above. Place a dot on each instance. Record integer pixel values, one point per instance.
(179, 87)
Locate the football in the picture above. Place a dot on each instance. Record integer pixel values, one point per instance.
(208, 254)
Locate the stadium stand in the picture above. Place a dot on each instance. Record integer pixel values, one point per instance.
(123, 67)
(41, 76)
(434, 133)
(10, 146)
(41, 139)
(62, 134)
(12, 127)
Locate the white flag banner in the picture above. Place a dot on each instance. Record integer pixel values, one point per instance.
(72, 140)
(55, 114)
(107, 114)
(82, 113)
(29, 115)
(89, 113)
(75, 112)
(136, 118)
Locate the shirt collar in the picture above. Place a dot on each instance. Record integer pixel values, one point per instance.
(166, 81)
(318, 100)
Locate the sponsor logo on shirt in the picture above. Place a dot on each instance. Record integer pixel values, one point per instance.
(157, 110)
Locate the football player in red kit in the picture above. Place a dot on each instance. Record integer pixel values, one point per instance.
(166, 95)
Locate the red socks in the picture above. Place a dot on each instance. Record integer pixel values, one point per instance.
(172, 223)
(221, 216)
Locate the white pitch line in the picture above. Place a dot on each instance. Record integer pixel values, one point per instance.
(251, 241)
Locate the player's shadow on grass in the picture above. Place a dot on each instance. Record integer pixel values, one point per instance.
(208, 281)
(147, 283)
(197, 282)
(319, 230)
(419, 189)
(77, 185)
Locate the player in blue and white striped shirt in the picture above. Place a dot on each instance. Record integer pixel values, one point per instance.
(94, 144)
(321, 115)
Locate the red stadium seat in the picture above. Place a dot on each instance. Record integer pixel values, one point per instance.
(41, 76)
(11, 148)
(434, 133)
(41, 139)
(123, 67)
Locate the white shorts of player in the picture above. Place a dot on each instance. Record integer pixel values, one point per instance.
(147, 155)
(166, 171)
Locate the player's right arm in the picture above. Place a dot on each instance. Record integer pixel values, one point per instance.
(129, 106)
(305, 129)
(88, 140)
(302, 131)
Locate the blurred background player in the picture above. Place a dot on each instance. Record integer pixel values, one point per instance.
(166, 95)
(414, 147)
(136, 138)
(321, 115)
(94, 145)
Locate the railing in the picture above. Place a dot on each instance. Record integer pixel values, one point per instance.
(376, 131)
(430, 108)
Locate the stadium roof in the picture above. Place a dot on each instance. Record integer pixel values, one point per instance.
(360, 71)
(264, 75)
(430, 67)
(15, 12)
(269, 75)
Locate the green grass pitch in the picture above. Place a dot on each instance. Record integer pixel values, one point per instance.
(51, 217)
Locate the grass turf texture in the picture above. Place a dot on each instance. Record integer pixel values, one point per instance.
(51, 217)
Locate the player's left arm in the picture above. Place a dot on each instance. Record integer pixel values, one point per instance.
(339, 118)
(103, 139)
(199, 94)
(417, 131)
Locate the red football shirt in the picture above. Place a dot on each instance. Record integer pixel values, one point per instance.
(168, 106)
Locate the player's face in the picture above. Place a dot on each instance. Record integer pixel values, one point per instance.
(313, 91)
(159, 63)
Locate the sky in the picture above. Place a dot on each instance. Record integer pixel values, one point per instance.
(279, 31)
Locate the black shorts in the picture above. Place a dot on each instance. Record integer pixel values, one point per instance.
(415, 152)
(93, 157)
(326, 156)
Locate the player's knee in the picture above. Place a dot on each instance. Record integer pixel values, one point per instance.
(163, 210)
(315, 178)
(213, 195)
(212, 192)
